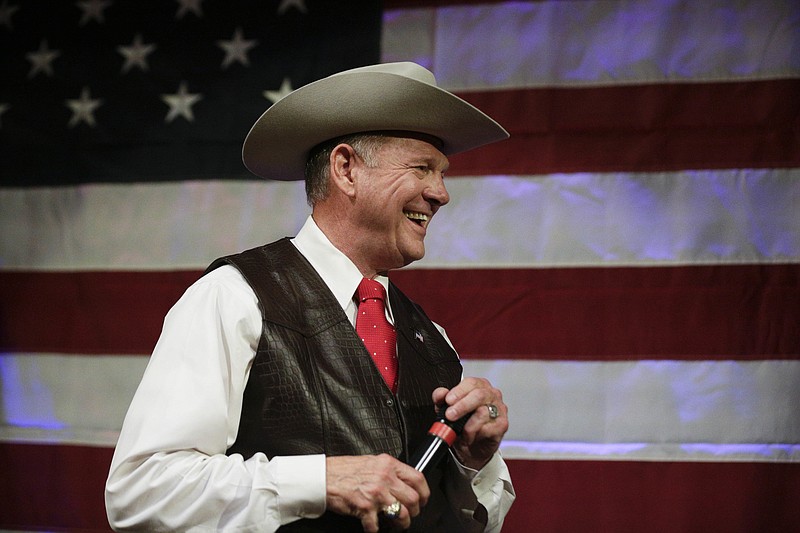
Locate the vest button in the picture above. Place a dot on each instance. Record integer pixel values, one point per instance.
(404, 403)
(389, 402)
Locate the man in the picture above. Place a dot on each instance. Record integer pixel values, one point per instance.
(261, 408)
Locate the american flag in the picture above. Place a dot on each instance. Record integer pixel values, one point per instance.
(104, 91)
(626, 267)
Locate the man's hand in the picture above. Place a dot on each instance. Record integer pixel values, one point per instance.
(361, 486)
(482, 434)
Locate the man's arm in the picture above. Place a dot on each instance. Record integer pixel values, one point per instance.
(479, 487)
(169, 470)
(482, 497)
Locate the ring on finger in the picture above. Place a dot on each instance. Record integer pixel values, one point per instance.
(392, 512)
(494, 412)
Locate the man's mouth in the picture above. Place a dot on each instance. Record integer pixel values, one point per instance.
(418, 218)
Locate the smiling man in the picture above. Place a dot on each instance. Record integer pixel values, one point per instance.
(390, 192)
(292, 382)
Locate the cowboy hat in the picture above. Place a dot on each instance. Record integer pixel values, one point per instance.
(385, 97)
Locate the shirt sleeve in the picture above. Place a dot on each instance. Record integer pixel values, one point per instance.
(480, 498)
(169, 470)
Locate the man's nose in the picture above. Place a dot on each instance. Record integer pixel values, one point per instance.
(436, 192)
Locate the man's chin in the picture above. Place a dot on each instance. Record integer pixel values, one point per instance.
(412, 256)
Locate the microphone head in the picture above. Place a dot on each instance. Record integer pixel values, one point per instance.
(457, 425)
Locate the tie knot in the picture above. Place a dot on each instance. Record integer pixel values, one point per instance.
(369, 288)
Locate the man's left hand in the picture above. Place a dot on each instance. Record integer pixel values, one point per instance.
(482, 434)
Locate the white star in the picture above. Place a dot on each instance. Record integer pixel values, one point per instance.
(83, 109)
(5, 14)
(92, 9)
(41, 60)
(3, 108)
(136, 54)
(286, 4)
(236, 49)
(274, 96)
(189, 5)
(181, 103)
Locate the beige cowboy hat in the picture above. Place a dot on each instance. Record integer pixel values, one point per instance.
(385, 97)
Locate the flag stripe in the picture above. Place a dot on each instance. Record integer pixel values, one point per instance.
(36, 476)
(639, 128)
(614, 497)
(723, 312)
(588, 43)
(582, 219)
(584, 410)
(553, 495)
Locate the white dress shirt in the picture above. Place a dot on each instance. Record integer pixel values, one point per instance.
(170, 471)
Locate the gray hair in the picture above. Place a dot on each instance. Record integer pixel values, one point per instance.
(317, 172)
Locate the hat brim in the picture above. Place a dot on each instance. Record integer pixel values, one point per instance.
(278, 144)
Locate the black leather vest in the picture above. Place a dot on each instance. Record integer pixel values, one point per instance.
(313, 387)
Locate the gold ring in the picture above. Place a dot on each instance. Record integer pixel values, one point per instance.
(392, 512)
(494, 412)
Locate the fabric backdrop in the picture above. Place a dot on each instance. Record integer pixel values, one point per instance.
(626, 268)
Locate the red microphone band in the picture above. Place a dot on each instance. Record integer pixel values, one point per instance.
(444, 432)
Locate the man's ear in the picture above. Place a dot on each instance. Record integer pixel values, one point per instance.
(342, 162)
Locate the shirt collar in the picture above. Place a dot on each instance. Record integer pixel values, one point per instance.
(335, 268)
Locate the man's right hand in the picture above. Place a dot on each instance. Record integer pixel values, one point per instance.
(362, 486)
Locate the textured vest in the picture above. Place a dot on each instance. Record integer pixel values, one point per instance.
(313, 387)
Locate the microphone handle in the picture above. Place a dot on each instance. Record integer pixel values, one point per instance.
(441, 436)
(432, 450)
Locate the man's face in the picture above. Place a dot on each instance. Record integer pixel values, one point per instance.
(395, 201)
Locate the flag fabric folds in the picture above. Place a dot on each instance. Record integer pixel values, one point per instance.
(626, 267)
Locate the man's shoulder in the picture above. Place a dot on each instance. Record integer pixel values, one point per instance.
(257, 256)
(225, 278)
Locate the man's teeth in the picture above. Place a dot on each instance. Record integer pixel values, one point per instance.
(416, 216)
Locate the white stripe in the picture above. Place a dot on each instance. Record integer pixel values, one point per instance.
(654, 402)
(165, 226)
(66, 398)
(661, 410)
(586, 219)
(600, 42)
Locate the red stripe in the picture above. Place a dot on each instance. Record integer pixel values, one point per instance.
(691, 312)
(58, 488)
(622, 497)
(87, 312)
(639, 128)
(53, 488)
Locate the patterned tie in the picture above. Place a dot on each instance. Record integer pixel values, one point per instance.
(375, 331)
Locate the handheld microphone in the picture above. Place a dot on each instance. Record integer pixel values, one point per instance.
(439, 439)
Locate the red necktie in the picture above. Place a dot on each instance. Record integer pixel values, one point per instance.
(375, 331)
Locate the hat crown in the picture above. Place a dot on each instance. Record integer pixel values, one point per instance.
(407, 69)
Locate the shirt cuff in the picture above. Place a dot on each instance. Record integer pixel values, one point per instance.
(299, 484)
(483, 480)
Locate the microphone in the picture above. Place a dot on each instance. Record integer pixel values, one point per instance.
(441, 436)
